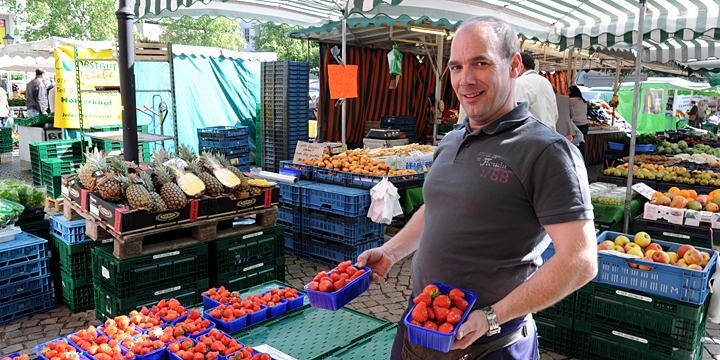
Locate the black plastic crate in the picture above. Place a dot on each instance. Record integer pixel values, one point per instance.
(253, 275)
(233, 254)
(683, 234)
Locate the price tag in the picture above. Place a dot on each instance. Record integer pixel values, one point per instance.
(65, 190)
(160, 256)
(631, 337)
(416, 153)
(618, 254)
(253, 267)
(307, 151)
(167, 290)
(105, 272)
(644, 190)
(681, 236)
(273, 352)
(634, 296)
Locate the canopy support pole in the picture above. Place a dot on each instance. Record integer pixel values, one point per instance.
(437, 115)
(636, 109)
(126, 60)
(344, 59)
(616, 88)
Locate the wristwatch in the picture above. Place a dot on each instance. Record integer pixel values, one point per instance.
(492, 321)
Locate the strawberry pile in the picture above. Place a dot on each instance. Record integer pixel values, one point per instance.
(336, 279)
(269, 299)
(167, 334)
(21, 357)
(247, 354)
(218, 341)
(220, 295)
(60, 350)
(144, 319)
(232, 312)
(120, 328)
(439, 312)
(141, 345)
(188, 350)
(100, 347)
(169, 310)
(194, 324)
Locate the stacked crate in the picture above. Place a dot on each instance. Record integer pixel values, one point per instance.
(72, 273)
(248, 259)
(290, 215)
(34, 222)
(123, 285)
(405, 124)
(104, 145)
(231, 141)
(284, 88)
(25, 286)
(52, 159)
(6, 145)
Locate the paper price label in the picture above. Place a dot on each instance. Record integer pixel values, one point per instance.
(105, 273)
(94, 210)
(160, 256)
(307, 151)
(627, 336)
(253, 267)
(676, 235)
(65, 190)
(416, 153)
(634, 296)
(167, 290)
(252, 235)
(644, 190)
(618, 254)
(274, 353)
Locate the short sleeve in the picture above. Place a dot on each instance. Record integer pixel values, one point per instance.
(558, 185)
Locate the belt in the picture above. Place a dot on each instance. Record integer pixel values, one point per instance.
(473, 352)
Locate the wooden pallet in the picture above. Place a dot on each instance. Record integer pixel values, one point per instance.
(53, 203)
(180, 235)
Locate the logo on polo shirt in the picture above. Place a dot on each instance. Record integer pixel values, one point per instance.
(493, 167)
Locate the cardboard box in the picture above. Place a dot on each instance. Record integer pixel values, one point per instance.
(223, 205)
(73, 190)
(694, 218)
(661, 212)
(125, 221)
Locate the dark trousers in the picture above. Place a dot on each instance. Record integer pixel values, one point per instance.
(584, 130)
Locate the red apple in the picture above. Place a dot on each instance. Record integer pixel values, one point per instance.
(681, 263)
(654, 246)
(661, 257)
(604, 246)
(693, 256)
(619, 249)
(706, 258)
(695, 267)
(643, 267)
(681, 251)
(629, 246)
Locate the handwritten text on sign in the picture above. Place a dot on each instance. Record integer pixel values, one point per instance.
(307, 151)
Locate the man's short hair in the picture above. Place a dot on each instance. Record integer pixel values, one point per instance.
(39, 72)
(692, 102)
(527, 60)
(510, 44)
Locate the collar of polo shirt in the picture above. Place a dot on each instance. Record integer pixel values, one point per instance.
(507, 121)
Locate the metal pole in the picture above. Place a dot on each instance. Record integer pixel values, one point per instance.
(126, 59)
(172, 95)
(636, 108)
(438, 85)
(616, 88)
(344, 59)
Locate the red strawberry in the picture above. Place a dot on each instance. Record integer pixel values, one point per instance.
(440, 313)
(446, 328)
(431, 313)
(453, 318)
(431, 325)
(424, 298)
(432, 290)
(456, 293)
(460, 303)
(420, 313)
(442, 301)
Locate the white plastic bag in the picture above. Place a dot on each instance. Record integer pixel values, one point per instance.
(713, 312)
(385, 202)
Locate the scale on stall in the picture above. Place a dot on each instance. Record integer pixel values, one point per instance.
(384, 134)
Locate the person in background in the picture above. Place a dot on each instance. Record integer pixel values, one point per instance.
(537, 91)
(565, 125)
(36, 94)
(4, 107)
(692, 114)
(579, 116)
(702, 113)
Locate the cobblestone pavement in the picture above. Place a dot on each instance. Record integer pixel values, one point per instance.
(386, 301)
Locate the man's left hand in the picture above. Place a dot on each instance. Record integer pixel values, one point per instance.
(475, 326)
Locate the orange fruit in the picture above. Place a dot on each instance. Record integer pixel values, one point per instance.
(684, 193)
(693, 193)
(674, 190)
(657, 194)
(690, 199)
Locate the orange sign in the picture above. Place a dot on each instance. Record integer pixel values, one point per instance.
(343, 81)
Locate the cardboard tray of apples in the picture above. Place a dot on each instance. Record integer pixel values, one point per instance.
(675, 271)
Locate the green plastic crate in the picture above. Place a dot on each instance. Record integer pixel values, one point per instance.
(58, 167)
(140, 273)
(37, 179)
(227, 254)
(314, 333)
(35, 120)
(694, 241)
(554, 333)
(678, 323)
(592, 341)
(253, 274)
(55, 149)
(40, 228)
(79, 299)
(112, 305)
(143, 128)
(76, 258)
(378, 346)
(73, 281)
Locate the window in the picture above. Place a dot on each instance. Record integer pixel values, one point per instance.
(246, 32)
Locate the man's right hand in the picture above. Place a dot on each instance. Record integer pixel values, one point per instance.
(377, 260)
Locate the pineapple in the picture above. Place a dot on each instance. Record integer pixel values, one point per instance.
(187, 154)
(224, 175)
(157, 203)
(108, 187)
(85, 174)
(93, 161)
(131, 165)
(136, 193)
(170, 192)
(244, 185)
(212, 185)
(188, 182)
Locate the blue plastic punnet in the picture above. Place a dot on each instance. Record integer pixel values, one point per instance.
(227, 327)
(156, 354)
(38, 348)
(210, 303)
(336, 300)
(434, 339)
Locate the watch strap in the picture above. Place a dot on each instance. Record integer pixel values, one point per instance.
(494, 327)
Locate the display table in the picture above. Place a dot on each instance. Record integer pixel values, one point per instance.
(411, 199)
(595, 143)
(610, 217)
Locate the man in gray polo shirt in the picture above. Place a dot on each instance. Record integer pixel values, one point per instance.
(502, 187)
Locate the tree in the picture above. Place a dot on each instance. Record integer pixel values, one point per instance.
(271, 38)
(220, 32)
(74, 19)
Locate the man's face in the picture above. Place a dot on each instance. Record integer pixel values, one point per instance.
(481, 78)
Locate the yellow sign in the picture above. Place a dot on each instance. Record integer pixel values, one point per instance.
(102, 108)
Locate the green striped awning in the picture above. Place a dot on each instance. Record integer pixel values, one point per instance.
(672, 50)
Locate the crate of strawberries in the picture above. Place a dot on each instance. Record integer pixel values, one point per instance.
(16, 356)
(438, 311)
(57, 349)
(143, 347)
(144, 319)
(332, 290)
(216, 296)
(219, 341)
(119, 328)
(274, 304)
(170, 311)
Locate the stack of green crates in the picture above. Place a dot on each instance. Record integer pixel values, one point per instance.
(121, 286)
(6, 143)
(108, 146)
(52, 171)
(40, 152)
(70, 264)
(555, 326)
(248, 259)
(37, 227)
